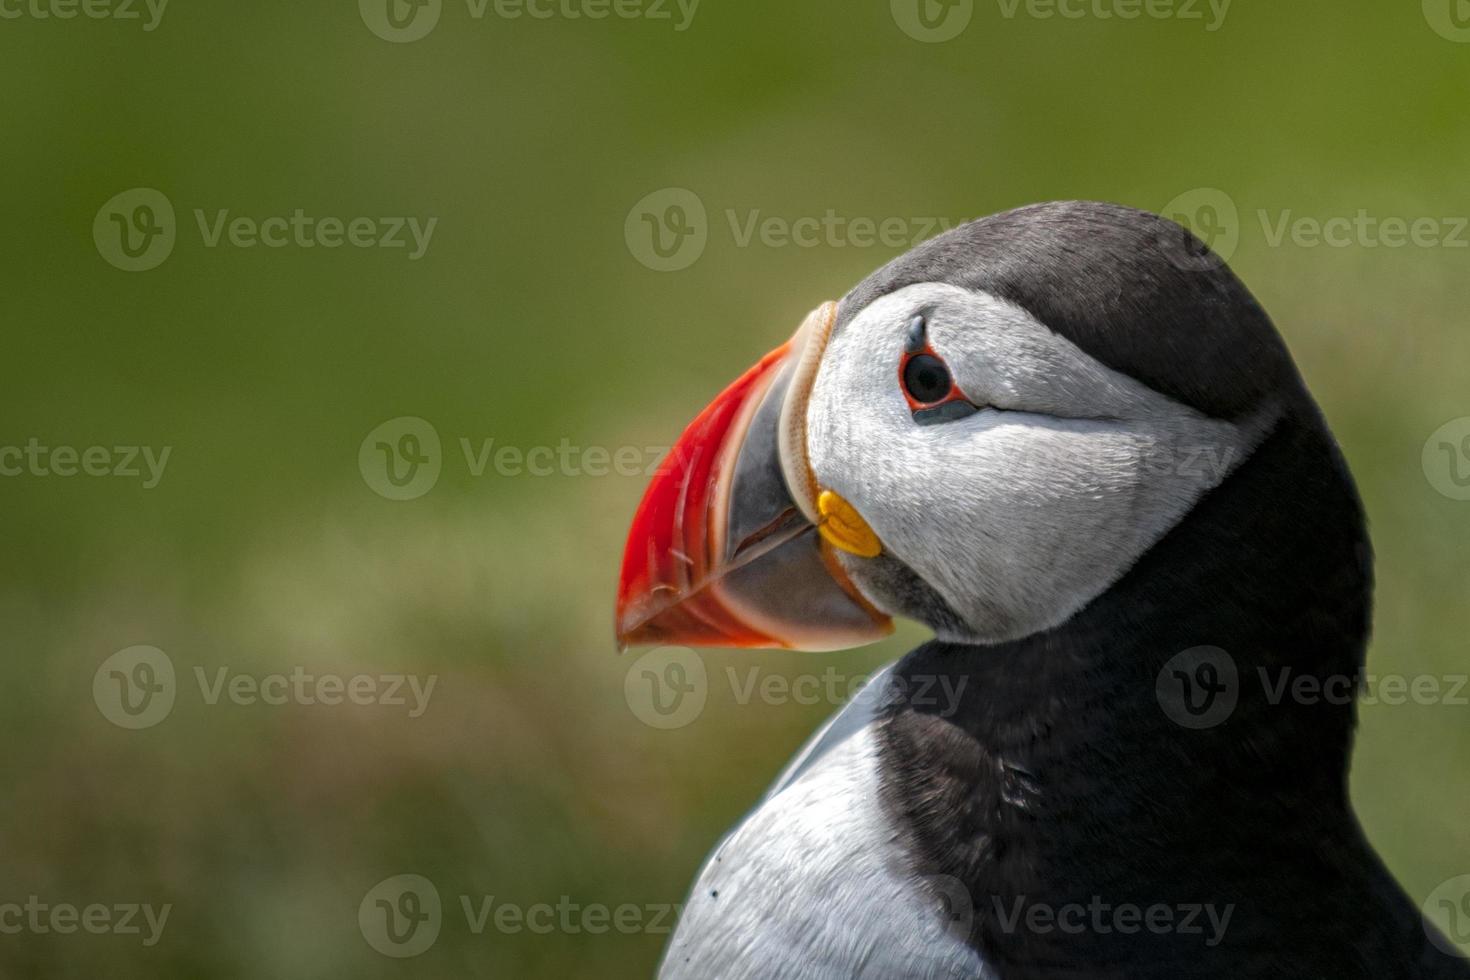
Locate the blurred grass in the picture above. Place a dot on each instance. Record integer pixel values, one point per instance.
(529, 322)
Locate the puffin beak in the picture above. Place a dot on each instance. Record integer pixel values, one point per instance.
(725, 549)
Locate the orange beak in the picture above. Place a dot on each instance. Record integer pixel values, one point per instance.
(724, 549)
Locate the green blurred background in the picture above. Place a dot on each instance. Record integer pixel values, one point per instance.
(531, 320)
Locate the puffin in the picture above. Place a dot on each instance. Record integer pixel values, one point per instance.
(1070, 442)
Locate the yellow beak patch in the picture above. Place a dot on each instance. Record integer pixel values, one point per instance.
(843, 527)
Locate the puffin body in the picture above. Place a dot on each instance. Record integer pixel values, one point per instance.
(1069, 441)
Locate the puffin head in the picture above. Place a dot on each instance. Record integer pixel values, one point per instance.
(984, 436)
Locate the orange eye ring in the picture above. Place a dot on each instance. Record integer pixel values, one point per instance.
(927, 383)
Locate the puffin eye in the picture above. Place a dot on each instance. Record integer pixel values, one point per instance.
(928, 386)
(926, 378)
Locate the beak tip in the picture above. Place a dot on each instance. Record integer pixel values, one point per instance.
(627, 630)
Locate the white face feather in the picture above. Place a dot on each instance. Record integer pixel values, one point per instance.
(1020, 514)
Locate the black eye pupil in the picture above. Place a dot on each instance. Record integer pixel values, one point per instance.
(926, 378)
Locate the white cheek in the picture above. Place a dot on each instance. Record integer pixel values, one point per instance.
(1017, 521)
(1003, 518)
(1016, 518)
